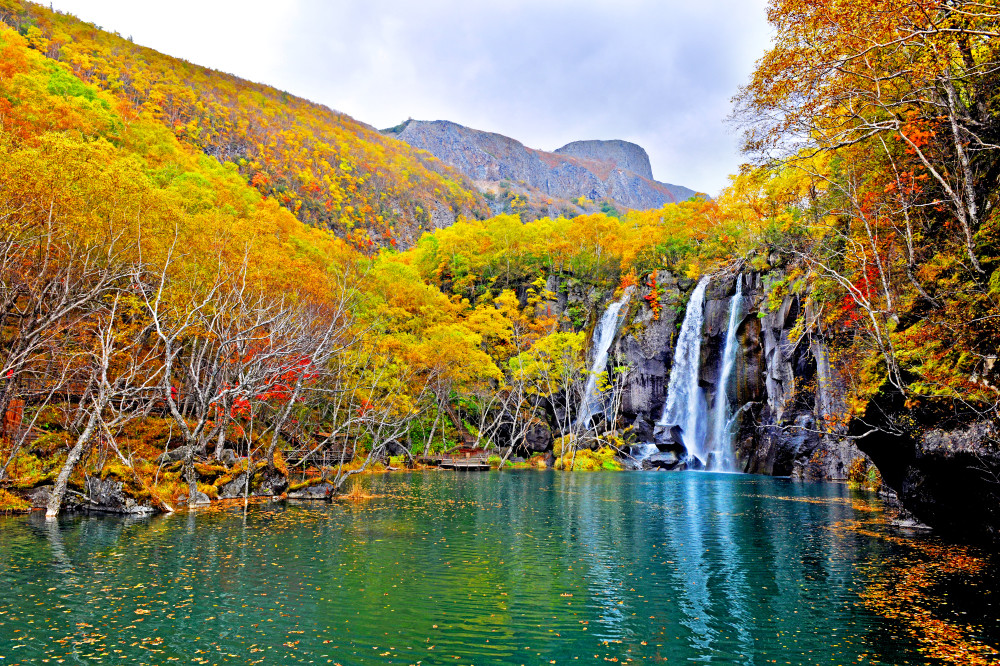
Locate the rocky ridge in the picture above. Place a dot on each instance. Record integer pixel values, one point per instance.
(616, 171)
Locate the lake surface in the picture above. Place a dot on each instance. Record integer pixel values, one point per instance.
(492, 568)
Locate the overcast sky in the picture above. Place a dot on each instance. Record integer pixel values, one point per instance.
(660, 73)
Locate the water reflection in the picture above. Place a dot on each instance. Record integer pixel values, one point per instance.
(493, 568)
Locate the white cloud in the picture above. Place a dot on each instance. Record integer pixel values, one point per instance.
(546, 72)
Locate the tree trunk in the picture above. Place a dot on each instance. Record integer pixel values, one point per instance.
(75, 454)
(220, 443)
(189, 473)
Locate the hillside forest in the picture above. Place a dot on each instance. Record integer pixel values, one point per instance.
(200, 275)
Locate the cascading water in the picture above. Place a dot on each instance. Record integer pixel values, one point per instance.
(604, 336)
(686, 406)
(721, 456)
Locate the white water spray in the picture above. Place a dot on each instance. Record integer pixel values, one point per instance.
(604, 335)
(720, 454)
(686, 406)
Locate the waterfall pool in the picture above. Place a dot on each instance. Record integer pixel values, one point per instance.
(498, 568)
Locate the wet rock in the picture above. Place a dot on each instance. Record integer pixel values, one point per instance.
(538, 439)
(791, 395)
(669, 437)
(107, 496)
(668, 460)
(945, 477)
(642, 430)
(646, 345)
(320, 491)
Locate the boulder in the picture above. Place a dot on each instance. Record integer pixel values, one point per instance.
(320, 491)
(107, 496)
(263, 483)
(662, 460)
(538, 439)
(39, 498)
(272, 482)
(395, 448)
(235, 488)
(199, 499)
(173, 455)
(229, 457)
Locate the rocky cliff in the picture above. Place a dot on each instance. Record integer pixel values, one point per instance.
(943, 471)
(617, 171)
(624, 154)
(788, 393)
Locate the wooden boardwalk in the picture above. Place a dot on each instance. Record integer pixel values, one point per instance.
(466, 461)
(324, 457)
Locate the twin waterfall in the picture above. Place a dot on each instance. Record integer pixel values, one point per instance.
(707, 436)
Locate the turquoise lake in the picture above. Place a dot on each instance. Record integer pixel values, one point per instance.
(476, 568)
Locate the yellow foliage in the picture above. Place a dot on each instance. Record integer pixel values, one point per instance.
(585, 460)
(10, 503)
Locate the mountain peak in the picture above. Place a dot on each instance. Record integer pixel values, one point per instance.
(624, 154)
(616, 171)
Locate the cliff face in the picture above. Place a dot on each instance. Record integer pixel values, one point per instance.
(791, 395)
(944, 472)
(627, 156)
(597, 170)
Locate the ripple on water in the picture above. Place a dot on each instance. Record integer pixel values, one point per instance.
(511, 568)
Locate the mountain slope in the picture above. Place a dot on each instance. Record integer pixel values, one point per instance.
(329, 169)
(617, 171)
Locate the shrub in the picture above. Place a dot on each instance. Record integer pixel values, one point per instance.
(863, 474)
(591, 461)
(10, 503)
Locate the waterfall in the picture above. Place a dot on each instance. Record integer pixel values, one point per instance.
(686, 406)
(604, 335)
(721, 456)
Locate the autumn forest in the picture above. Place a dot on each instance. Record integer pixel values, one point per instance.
(198, 264)
(214, 293)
